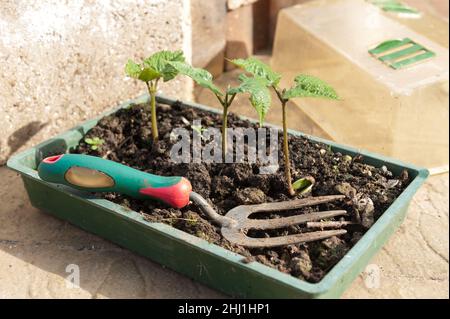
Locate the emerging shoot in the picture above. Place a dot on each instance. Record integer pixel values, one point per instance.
(151, 70)
(94, 142)
(304, 86)
(304, 185)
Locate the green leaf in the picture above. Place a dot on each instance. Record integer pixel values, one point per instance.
(310, 86)
(200, 76)
(160, 62)
(132, 69)
(259, 69)
(260, 97)
(146, 74)
(94, 142)
(98, 140)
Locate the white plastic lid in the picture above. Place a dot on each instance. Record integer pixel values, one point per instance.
(353, 27)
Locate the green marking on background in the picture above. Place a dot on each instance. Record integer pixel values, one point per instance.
(388, 45)
(394, 6)
(417, 58)
(400, 53)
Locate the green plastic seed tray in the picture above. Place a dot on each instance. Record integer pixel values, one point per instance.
(207, 263)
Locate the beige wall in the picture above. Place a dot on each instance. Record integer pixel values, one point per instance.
(208, 34)
(62, 61)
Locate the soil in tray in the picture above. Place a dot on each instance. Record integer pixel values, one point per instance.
(369, 190)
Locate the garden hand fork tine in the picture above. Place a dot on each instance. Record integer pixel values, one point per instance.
(236, 221)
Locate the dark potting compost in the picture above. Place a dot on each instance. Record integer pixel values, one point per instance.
(369, 190)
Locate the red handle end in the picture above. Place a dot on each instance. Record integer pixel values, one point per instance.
(52, 159)
(176, 195)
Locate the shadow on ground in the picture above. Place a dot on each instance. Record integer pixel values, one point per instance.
(23, 135)
(36, 248)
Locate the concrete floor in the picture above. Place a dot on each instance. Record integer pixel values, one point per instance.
(36, 249)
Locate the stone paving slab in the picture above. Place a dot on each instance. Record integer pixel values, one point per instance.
(36, 248)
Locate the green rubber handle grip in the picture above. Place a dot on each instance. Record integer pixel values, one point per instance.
(96, 174)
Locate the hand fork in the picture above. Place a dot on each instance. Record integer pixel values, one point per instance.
(236, 221)
(99, 175)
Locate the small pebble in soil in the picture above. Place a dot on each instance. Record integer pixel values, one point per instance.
(250, 195)
(364, 207)
(346, 189)
(404, 176)
(392, 183)
(164, 108)
(347, 158)
(385, 171)
(301, 265)
(330, 250)
(145, 133)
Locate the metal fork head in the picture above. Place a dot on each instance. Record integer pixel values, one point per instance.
(236, 232)
(236, 223)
